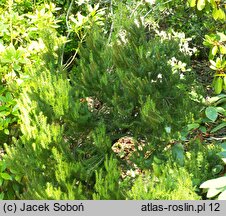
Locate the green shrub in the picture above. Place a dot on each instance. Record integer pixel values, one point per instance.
(132, 78)
(8, 116)
(172, 184)
(129, 85)
(217, 186)
(202, 161)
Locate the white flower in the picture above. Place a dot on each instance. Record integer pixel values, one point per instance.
(159, 76)
(181, 76)
(178, 66)
(36, 45)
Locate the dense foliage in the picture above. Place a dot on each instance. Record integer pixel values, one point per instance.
(112, 99)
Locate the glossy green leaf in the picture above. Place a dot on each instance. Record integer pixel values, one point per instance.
(218, 85)
(221, 110)
(6, 131)
(201, 4)
(211, 113)
(221, 14)
(216, 98)
(218, 62)
(213, 3)
(192, 3)
(2, 98)
(2, 166)
(214, 50)
(18, 178)
(218, 127)
(193, 126)
(215, 13)
(222, 49)
(6, 176)
(4, 113)
(218, 13)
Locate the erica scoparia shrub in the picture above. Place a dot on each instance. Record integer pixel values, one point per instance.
(68, 126)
